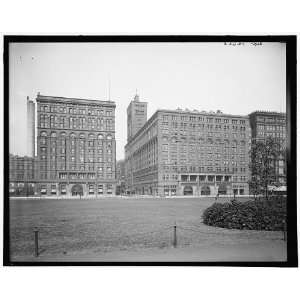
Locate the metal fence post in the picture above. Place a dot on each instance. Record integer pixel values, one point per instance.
(175, 237)
(36, 243)
(284, 231)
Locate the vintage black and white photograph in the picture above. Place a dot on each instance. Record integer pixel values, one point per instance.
(149, 151)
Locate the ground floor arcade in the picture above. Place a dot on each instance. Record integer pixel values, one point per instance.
(63, 189)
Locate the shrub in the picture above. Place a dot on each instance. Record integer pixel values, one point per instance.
(255, 215)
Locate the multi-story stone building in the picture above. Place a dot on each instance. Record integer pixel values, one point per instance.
(21, 175)
(187, 152)
(265, 124)
(75, 146)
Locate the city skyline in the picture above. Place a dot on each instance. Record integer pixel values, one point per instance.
(166, 75)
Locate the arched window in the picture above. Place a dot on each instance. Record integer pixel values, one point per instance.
(100, 136)
(63, 134)
(43, 133)
(72, 135)
(91, 136)
(109, 137)
(53, 134)
(81, 136)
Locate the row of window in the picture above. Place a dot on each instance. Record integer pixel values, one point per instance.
(63, 189)
(200, 169)
(72, 135)
(185, 134)
(209, 178)
(202, 119)
(272, 134)
(271, 127)
(81, 150)
(270, 119)
(75, 123)
(208, 140)
(75, 110)
(203, 126)
(85, 175)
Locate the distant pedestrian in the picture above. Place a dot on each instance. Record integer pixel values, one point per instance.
(217, 196)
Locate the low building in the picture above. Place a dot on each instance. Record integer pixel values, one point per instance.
(21, 175)
(183, 152)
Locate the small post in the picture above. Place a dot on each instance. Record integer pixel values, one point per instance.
(36, 243)
(284, 231)
(175, 237)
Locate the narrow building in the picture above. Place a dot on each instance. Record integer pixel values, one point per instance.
(120, 177)
(30, 128)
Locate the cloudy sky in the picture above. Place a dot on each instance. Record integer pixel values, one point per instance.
(203, 76)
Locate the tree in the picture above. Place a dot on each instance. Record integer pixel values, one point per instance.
(263, 159)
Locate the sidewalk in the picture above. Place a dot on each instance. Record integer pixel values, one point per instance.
(259, 251)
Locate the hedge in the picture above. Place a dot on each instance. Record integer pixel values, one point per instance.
(253, 215)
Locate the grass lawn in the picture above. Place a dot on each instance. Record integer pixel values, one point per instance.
(99, 228)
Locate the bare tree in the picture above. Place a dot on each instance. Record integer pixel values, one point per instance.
(264, 156)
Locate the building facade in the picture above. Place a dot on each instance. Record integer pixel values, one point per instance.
(271, 124)
(76, 147)
(187, 152)
(120, 177)
(21, 175)
(136, 116)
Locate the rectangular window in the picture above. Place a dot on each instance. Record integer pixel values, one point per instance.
(91, 189)
(100, 189)
(43, 189)
(109, 189)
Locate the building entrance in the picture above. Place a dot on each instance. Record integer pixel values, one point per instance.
(76, 190)
(222, 189)
(205, 190)
(188, 190)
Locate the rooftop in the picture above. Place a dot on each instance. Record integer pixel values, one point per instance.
(66, 100)
(268, 112)
(217, 113)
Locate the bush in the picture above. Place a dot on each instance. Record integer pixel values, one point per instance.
(255, 215)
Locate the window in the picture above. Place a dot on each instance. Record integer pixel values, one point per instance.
(53, 189)
(109, 189)
(43, 189)
(62, 175)
(91, 189)
(100, 189)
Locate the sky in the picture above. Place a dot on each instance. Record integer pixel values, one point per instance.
(202, 76)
